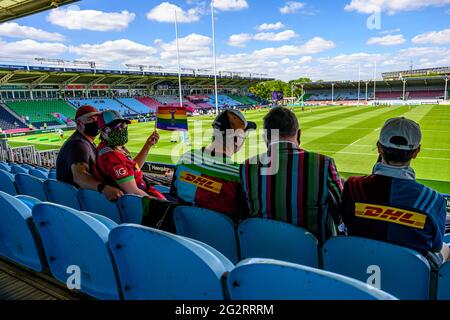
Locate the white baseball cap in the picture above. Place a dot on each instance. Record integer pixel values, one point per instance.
(401, 133)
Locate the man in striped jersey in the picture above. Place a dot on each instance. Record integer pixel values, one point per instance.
(290, 184)
(207, 177)
(390, 205)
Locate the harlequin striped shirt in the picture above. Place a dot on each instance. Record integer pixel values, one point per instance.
(210, 182)
(295, 186)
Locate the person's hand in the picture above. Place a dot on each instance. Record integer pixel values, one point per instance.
(153, 139)
(112, 193)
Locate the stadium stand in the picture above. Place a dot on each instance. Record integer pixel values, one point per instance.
(40, 112)
(149, 102)
(243, 100)
(104, 104)
(224, 101)
(135, 105)
(8, 121)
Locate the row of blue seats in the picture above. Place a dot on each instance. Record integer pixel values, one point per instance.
(260, 238)
(134, 262)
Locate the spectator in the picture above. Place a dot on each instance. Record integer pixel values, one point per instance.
(76, 159)
(390, 205)
(208, 178)
(290, 184)
(114, 162)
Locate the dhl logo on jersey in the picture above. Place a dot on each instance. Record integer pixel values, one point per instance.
(201, 182)
(390, 214)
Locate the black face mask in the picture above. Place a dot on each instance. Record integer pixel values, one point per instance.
(91, 129)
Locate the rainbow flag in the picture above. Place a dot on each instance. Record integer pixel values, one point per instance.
(172, 118)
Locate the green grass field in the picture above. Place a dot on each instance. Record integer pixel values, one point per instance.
(348, 134)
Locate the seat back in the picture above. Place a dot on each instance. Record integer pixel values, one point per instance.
(5, 167)
(443, 286)
(18, 169)
(17, 238)
(95, 202)
(156, 265)
(73, 239)
(131, 210)
(62, 193)
(264, 238)
(7, 183)
(30, 202)
(52, 174)
(38, 173)
(263, 279)
(210, 227)
(30, 186)
(396, 266)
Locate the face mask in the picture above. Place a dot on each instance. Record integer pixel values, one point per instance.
(118, 138)
(91, 129)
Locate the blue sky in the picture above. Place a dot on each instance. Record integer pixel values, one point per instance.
(285, 39)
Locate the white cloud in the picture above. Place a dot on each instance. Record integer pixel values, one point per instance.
(121, 51)
(271, 36)
(191, 46)
(305, 59)
(390, 31)
(228, 5)
(31, 49)
(391, 6)
(389, 40)
(75, 19)
(165, 12)
(433, 37)
(239, 40)
(292, 7)
(14, 30)
(313, 46)
(270, 26)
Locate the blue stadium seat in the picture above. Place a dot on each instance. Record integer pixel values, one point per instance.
(62, 193)
(27, 166)
(212, 228)
(17, 237)
(443, 286)
(5, 167)
(447, 238)
(30, 186)
(30, 202)
(18, 169)
(404, 273)
(74, 238)
(131, 210)
(162, 189)
(263, 238)
(156, 265)
(43, 169)
(52, 174)
(7, 183)
(93, 201)
(265, 279)
(38, 173)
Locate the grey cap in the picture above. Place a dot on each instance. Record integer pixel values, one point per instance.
(397, 128)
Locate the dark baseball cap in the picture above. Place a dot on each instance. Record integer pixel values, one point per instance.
(86, 111)
(233, 119)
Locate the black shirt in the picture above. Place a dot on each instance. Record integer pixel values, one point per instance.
(77, 149)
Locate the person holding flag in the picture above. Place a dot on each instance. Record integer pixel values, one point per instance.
(115, 165)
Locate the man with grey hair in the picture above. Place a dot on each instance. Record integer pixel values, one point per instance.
(390, 205)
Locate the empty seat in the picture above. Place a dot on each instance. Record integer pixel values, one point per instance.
(7, 183)
(30, 186)
(62, 193)
(156, 265)
(30, 202)
(52, 174)
(443, 287)
(263, 238)
(75, 239)
(27, 166)
(5, 167)
(17, 238)
(95, 202)
(17, 169)
(264, 279)
(210, 227)
(402, 272)
(38, 173)
(162, 189)
(131, 210)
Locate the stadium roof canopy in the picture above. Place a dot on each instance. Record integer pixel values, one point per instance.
(14, 9)
(33, 76)
(425, 81)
